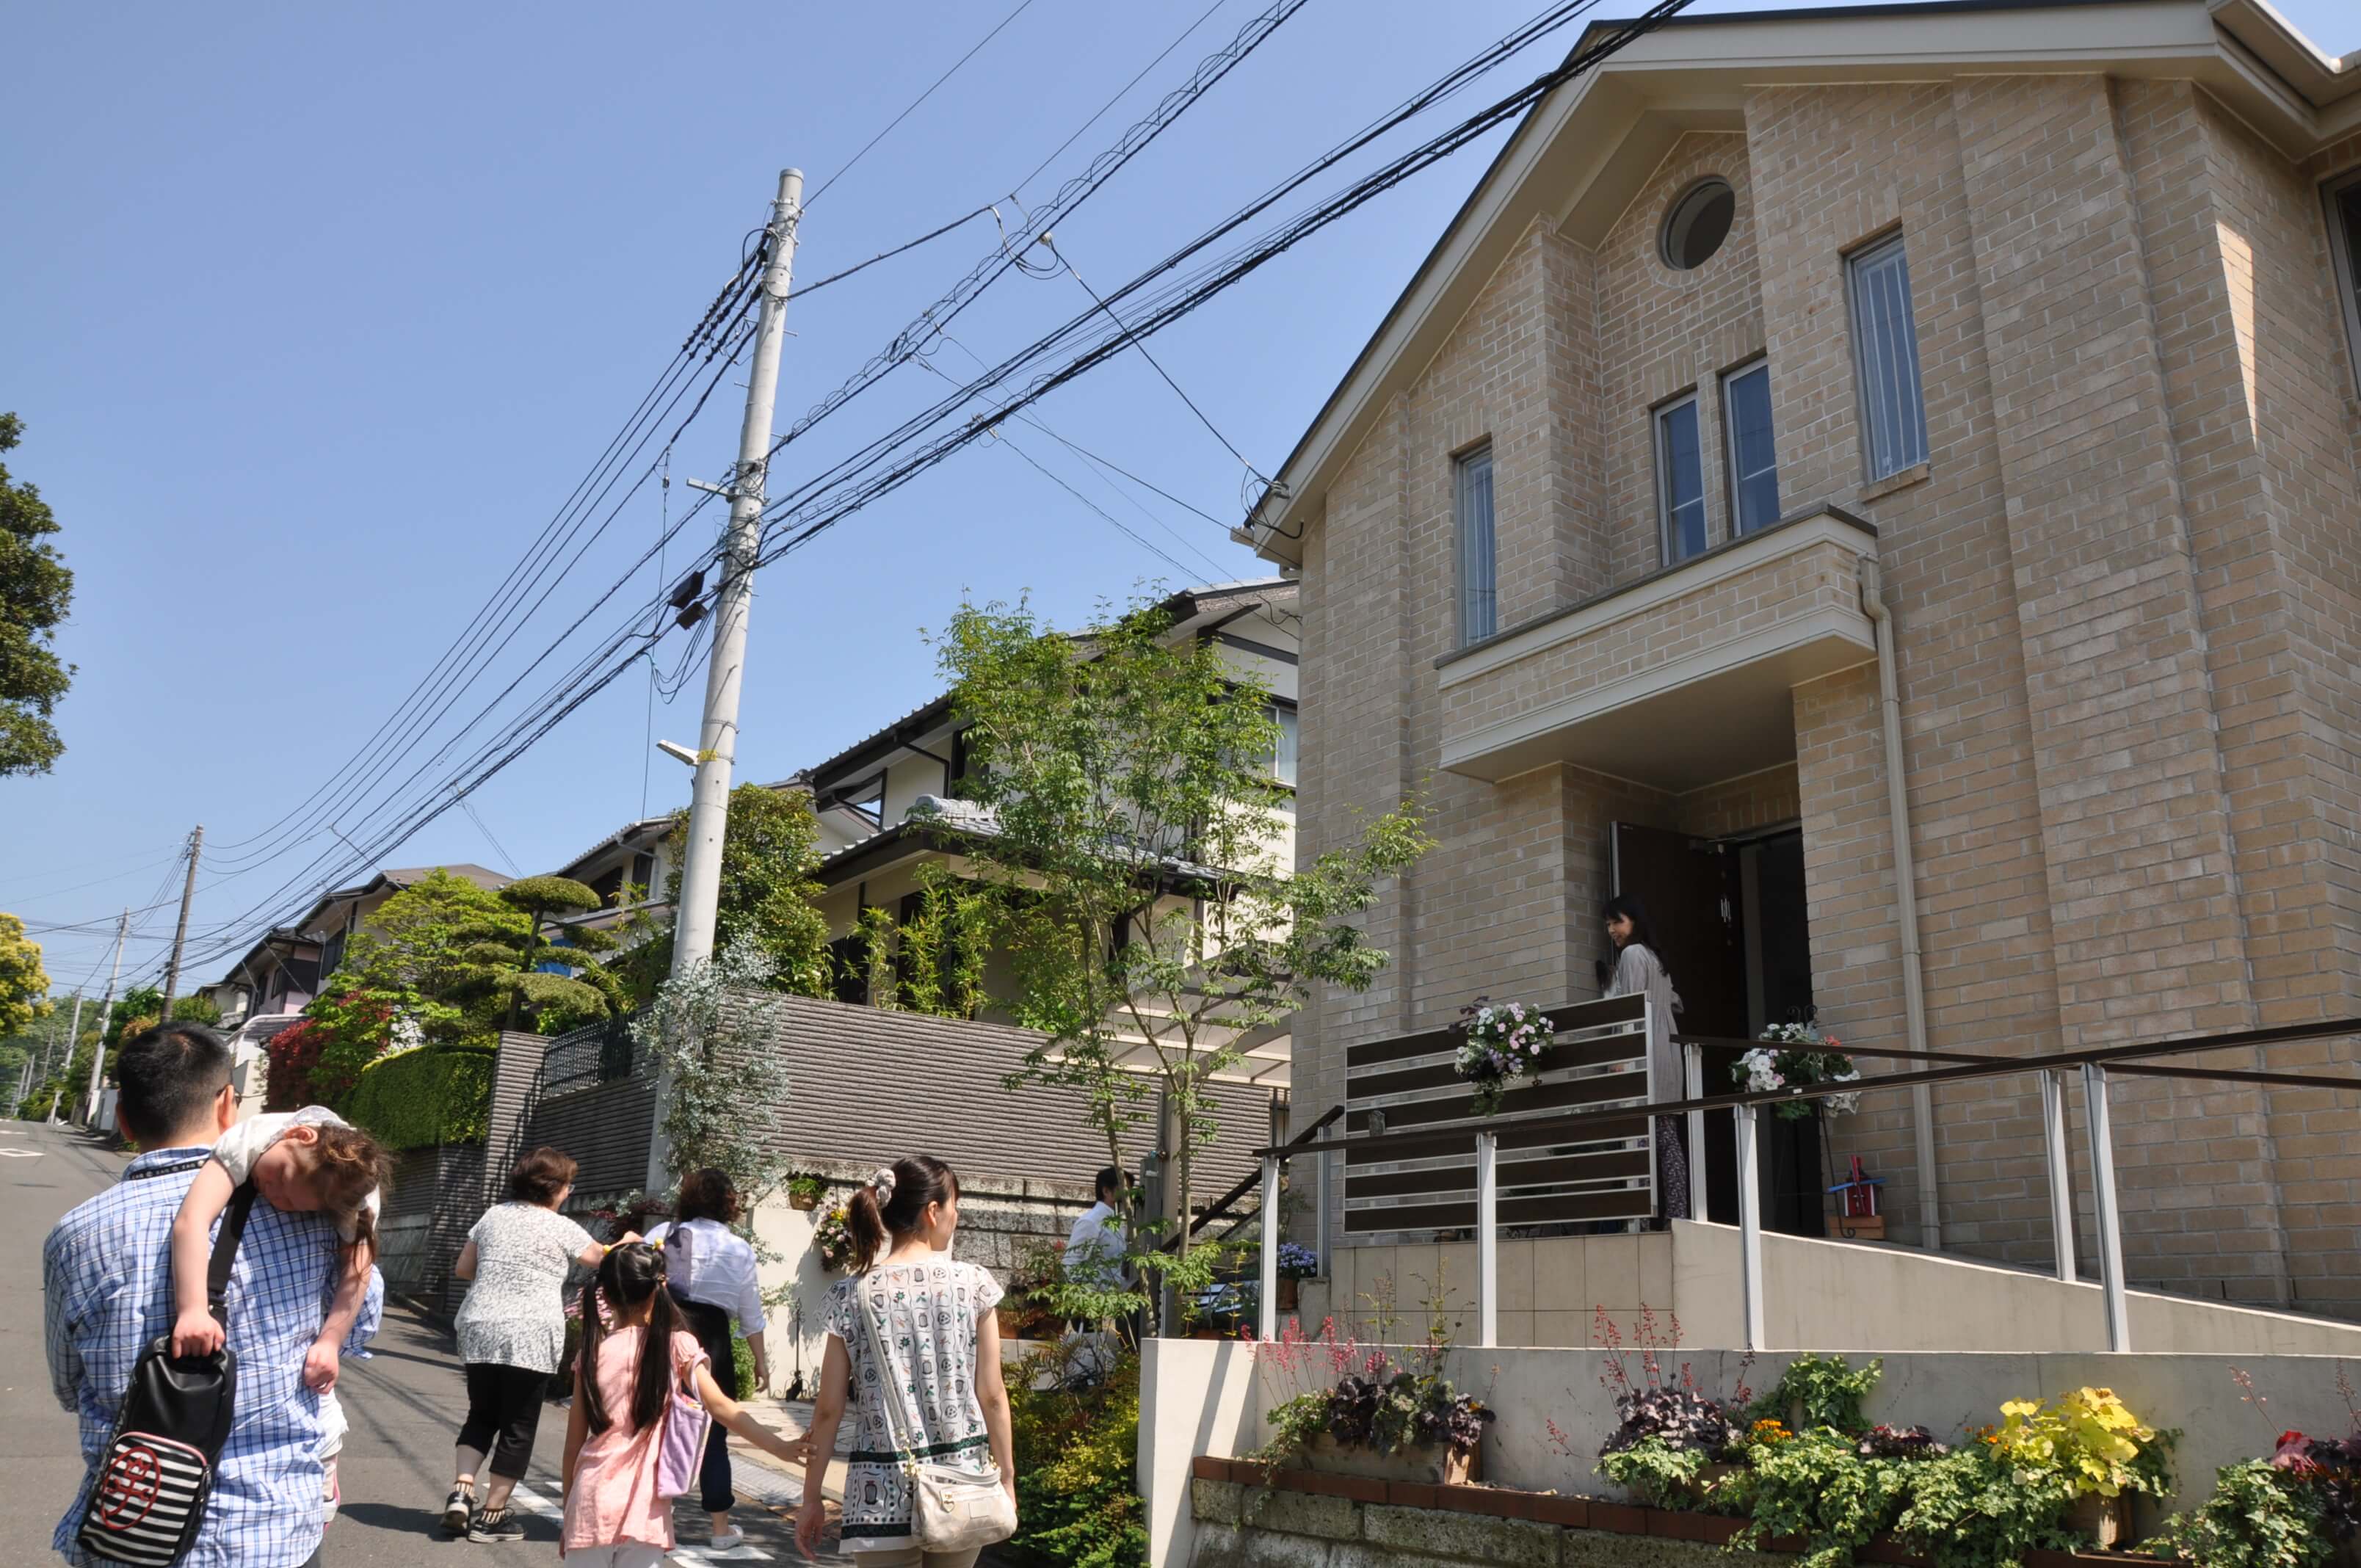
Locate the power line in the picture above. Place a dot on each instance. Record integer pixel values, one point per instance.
(1205, 16)
(806, 291)
(831, 497)
(1153, 362)
(470, 808)
(801, 516)
(1021, 7)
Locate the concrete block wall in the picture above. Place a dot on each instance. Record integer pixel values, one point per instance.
(2127, 593)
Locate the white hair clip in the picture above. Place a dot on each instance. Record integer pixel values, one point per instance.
(882, 1184)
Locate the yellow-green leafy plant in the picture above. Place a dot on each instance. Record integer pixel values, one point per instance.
(2090, 1438)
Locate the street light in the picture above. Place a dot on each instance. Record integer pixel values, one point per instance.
(677, 753)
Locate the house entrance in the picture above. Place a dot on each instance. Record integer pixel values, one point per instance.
(1730, 918)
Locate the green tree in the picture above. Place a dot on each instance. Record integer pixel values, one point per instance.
(768, 895)
(442, 939)
(22, 983)
(142, 1006)
(1139, 851)
(559, 1002)
(196, 1010)
(36, 589)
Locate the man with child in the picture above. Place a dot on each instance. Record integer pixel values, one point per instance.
(107, 1274)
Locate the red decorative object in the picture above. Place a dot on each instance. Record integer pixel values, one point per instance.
(1858, 1192)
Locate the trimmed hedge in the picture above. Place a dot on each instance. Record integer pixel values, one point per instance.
(437, 1094)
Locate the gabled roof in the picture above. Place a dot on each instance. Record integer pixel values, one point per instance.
(628, 833)
(1185, 607)
(1583, 152)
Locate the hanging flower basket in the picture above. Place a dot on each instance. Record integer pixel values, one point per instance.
(1798, 1053)
(832, 1239)
(1498, 1047)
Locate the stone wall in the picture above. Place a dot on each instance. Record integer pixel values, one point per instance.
(1252, 1526)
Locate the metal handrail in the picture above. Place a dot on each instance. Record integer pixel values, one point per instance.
(2093, 1065)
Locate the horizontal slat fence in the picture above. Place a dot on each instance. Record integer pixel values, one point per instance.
(1596, 1058)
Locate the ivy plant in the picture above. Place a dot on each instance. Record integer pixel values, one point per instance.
(2259, 1515)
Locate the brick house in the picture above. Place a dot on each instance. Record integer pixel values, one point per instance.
(2003, 356)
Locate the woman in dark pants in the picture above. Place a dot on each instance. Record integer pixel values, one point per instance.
(712, 1276)
(512, 1332)
(1640, 970)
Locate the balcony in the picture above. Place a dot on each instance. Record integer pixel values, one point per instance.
(1678, 680)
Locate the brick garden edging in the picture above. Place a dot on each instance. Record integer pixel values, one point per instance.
(1221, 1489)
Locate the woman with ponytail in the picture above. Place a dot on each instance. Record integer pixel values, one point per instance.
(635, 1346)
(941, 1368)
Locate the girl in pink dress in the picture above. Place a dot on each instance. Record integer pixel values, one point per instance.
(613, 1517)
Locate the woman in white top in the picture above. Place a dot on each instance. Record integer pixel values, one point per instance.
(1639, 970)
(713, 1279)
(932, 1315)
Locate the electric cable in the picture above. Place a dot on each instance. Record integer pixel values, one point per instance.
(804, 289)
(1203, 17)
(1022, 6)
(796, 525)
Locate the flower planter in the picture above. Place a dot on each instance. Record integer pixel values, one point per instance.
(804, 1202)
(1286, 1294)
(2106, 1520)
(1433, 1466)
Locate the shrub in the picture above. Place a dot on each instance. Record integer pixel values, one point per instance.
(1822, 1391)
(1077, 1486)
(2260, 1516)
(294, 1052)
(421, 1098)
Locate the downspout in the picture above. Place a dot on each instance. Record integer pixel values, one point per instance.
(1905, 886)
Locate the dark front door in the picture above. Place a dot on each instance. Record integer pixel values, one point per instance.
(1697, 893)
(1688, 888)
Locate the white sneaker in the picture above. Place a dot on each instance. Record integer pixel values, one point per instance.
(729, 1540)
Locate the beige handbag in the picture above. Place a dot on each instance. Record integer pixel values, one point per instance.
(951, 1509)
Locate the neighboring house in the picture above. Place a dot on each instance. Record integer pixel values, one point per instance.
(282, 973)
(633, 856)
(864, 795)
(2032, 328)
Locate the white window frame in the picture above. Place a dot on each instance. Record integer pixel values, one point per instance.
(1478, 619)
(1761, 364)
(1656, 417)
(1859, 262)
(2347, 265)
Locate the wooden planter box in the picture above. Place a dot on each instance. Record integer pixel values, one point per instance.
(805, 1204)
(1286, 1294)
(1431, 1466)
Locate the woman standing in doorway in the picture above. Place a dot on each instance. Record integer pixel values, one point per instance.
(1639, 972)
(913, 1327)
(713, 1279)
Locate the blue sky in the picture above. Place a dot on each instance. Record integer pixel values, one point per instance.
(315, 315)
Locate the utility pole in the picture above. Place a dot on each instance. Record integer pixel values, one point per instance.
(717, 747)
(106, 1011)
(181, 935)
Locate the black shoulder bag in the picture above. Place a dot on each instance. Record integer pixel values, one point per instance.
(158, 1470)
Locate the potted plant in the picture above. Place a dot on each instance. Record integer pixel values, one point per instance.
(1498, 1046)
(2094, 1444)
(1798, 1053)
(1391, 1424)
(805, 1192)
(832, 1239)
(1296, 1262)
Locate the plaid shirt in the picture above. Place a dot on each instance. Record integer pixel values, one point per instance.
(107, 1273)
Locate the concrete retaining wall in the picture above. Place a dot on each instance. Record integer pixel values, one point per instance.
(1820, 1295)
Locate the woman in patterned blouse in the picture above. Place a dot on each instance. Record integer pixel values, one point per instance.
(932, 1316)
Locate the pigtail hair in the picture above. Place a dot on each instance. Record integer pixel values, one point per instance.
(651, 1384)
(586, 1373)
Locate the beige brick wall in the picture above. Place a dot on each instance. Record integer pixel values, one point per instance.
(2127, 595)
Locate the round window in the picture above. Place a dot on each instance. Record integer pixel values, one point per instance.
(1697, 224)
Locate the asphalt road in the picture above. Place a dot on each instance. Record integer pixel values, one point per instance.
(405, 1403)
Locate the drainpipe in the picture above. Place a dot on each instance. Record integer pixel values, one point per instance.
(1905, 886)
